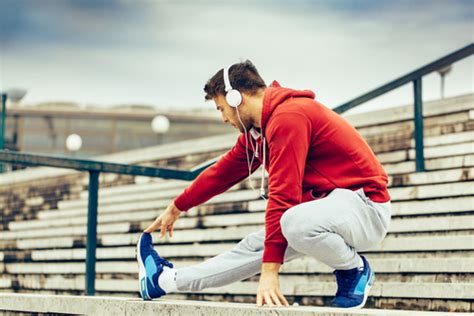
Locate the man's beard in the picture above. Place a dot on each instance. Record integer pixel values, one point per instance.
(248, 127)
(243, 121)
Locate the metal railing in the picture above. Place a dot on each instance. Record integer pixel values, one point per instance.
(415, 77)
(95, 168)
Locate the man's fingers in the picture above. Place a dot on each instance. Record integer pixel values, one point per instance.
(171, 228)
(268, 299)
(283, 299)
(153, 226)
(163, 230)
(275, 299)
(259, 300)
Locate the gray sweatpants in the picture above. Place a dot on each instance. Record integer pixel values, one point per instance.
(331, 229)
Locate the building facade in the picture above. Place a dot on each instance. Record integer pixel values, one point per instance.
(44, 129)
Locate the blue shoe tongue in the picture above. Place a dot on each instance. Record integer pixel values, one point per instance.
(346, 273)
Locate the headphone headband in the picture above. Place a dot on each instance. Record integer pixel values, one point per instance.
(226, 79)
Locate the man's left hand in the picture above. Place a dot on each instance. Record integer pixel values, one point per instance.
(269, 287)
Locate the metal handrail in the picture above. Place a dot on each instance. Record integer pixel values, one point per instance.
(415, 77)
(95, 168)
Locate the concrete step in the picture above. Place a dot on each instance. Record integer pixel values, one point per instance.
(393, 264)
(397, 114)
(430, 164)
(404, 140)
(430, 152)
(446, 139)
(42, 303)
(197, 234)
(392, 243)
(138, 188)
(290, 285)
(432, 177)
(433, 126)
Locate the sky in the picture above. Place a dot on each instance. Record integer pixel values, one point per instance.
(161, 53)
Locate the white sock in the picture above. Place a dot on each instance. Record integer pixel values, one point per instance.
(167, 280)
(360, 264)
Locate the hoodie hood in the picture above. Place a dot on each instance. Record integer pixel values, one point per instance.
(275, 95)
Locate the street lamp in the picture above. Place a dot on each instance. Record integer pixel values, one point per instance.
(73, 143)
(443, 72)
(160, 125)
(16, 94)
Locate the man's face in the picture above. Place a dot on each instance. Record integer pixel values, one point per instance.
(229, 114)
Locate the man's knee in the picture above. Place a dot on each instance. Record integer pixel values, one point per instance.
(296, 227)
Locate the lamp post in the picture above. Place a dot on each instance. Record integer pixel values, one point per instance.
(160, 125)
(443, 72)
(73, 143)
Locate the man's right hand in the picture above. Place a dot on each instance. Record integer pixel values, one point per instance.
(165, 222)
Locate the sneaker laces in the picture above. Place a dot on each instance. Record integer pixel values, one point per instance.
(160, 260)
(346, 281)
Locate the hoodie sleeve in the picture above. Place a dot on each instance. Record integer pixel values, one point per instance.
(288, 135)
(226, 172)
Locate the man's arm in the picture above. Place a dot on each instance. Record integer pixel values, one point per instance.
(225, 173)
(289, 136)
(229, 170)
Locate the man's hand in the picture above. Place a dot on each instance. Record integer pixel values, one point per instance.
(269, 287)
(165, 222)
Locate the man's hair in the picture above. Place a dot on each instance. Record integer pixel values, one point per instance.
(242, 76)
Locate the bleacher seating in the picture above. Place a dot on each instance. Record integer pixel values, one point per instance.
(426, 262)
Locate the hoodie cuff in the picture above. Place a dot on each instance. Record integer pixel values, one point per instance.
(274, 253)
(181, 202)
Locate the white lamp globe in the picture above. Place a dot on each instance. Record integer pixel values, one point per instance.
(73, 142)
(160, 124)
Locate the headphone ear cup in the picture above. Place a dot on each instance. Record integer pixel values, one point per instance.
(234, 98)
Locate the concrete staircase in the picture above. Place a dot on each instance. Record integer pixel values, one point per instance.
(426, 262)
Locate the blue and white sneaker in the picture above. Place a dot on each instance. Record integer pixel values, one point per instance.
(353, 286)
(150, 266)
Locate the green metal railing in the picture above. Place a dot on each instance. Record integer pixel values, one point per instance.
(415, 77)
(3, 97)
(96, 167)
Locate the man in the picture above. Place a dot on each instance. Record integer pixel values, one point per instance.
(327, 194)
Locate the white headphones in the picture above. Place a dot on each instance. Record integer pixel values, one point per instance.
(232, 96)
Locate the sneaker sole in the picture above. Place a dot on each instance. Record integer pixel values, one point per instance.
(141, 272)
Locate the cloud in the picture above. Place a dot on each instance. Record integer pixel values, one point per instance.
(162, 52)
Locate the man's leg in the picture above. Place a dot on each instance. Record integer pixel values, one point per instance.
(239, 263)
(334, 228)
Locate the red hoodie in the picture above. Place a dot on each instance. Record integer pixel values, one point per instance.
(311, 150)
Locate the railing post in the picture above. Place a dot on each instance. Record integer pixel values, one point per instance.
(92, 232)
(419, 147)
(2, 128)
